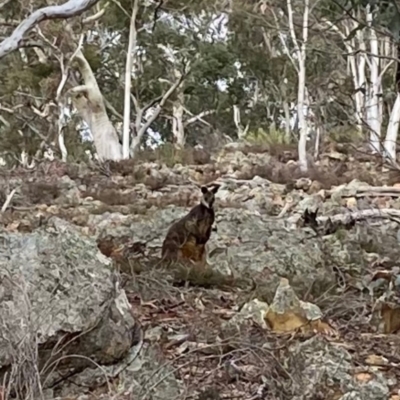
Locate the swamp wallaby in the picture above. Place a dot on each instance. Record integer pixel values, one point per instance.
(187, 237)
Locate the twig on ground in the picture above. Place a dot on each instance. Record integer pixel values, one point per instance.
(8, 200)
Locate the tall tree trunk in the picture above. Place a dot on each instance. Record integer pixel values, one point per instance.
(89, 102)
(361, 86)
(392, 131)
(286, 110)
(301, 92)
(128, 80)
(356, 64)
(302, 120)
(178, 129)
(373, 116)
(394, 120)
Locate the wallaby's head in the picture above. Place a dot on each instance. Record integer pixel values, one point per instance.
(209, 195)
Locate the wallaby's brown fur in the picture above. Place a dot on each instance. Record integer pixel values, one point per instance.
(187, 238)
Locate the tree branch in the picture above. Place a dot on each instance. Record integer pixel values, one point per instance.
(283, 42)
(160, 105)
(78, 90)
(198, 117)
(96, 16)
(291, 28)
(69, 9)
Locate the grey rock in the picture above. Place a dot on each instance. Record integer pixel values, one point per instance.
(60, 293)
(249, 242)
(318, 366)
(142, 372)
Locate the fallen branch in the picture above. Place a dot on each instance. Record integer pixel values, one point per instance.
(364, 214)
(69, 9)
(8, 200)
(371, 191)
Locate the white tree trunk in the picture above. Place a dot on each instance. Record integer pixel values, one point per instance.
(392, 131)
(317, 142)
(356, 64)
(302, 120)
(373, 115)
(178, 129)
(236, 119)
(286, 110)
(128, 81)
(63, 149)
(89, 102)
(69, 9)
(301, 92)
(361, 75)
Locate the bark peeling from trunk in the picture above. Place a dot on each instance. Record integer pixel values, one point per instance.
(89, 102)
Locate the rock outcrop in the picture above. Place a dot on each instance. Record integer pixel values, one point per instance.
(60, 302)
(61, 293)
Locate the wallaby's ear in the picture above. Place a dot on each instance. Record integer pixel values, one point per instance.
(204, 189)
(215, 188)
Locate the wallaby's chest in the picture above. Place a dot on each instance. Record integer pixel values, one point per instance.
(203, 219)
(205, 223)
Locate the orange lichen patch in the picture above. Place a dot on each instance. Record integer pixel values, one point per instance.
(319, 326)
(287, 313)
(287, 322)
(363, 377)
(391, 318)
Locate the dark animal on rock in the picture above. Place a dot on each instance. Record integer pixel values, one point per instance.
(327, 227)
(186, 239)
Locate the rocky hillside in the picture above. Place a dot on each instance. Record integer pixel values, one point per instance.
(292, 305)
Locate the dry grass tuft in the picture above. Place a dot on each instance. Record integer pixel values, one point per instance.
(199, 275)
(169, 155)
(333, 175)
(111, 197)
(22, 379)
(41, 192)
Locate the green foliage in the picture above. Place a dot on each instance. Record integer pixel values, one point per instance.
(256, 73)
(345, 134)
(76, 147)
(21, 75)
(271, 137)
(91, 53)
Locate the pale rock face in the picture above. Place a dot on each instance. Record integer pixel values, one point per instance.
(54, 281)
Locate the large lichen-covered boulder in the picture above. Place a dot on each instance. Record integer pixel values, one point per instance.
(320, 369)
(251, 244)
(59, 293)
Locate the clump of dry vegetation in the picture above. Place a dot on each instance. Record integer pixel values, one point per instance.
(117, 188)
(169, 155)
